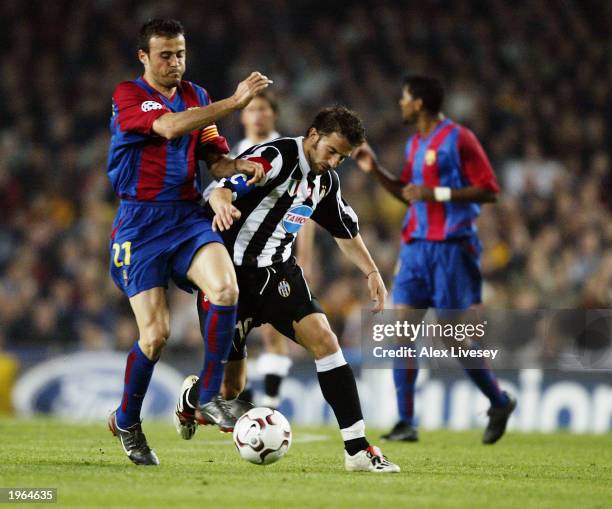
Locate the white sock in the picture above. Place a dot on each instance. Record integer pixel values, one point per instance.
(356, 430)
(335, 360)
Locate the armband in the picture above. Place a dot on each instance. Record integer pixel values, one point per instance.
(442, 193)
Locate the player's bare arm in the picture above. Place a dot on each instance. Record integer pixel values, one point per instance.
(173, 125)
(356, 251)
(221, 202)
(220, 166)
(413, 193)
(367, 161)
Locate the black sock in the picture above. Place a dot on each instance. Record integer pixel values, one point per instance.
(272, 385)
(355, 445)
(340, 391)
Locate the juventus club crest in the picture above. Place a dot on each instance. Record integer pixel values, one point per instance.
(283, 288)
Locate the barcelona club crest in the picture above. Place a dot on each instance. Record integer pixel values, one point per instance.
(430, 157)
(283, 288)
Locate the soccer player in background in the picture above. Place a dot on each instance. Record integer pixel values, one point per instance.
(259, 228)
(161, 125)
(446, 177)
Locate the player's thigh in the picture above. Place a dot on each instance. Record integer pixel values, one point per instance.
(273, 340)
(212, 271)
(456, 275)
(314, 333)
(234, 378)
(411, 286)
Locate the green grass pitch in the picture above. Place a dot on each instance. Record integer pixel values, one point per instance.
(444, 470)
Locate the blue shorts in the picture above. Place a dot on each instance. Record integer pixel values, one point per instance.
(442, 275)
(152, 243)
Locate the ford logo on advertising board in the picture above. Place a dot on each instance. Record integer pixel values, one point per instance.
(296, 217)
(88, 386)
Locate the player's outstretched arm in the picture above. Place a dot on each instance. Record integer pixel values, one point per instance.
(221, 202)
(413, 193)
(173, 125)
(356, 251)
(366, 159)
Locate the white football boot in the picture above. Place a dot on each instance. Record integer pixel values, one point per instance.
(369, 460)
(184, 417)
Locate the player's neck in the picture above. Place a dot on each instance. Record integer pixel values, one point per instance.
(427, 123)
(165, 91)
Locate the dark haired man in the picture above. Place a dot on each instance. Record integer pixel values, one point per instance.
(259, 228)
(446, 176)
(161, 125)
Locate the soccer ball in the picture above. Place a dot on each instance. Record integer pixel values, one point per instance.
(262, 436)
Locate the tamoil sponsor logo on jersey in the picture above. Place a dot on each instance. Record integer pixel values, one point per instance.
(296, 217)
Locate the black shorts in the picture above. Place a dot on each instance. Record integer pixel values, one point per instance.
(278, 295)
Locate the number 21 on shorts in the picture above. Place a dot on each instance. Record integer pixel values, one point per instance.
(126, 247)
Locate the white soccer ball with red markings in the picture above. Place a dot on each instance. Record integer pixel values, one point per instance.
(262, 436)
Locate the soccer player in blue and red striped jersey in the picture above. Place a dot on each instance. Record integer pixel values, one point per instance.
(161, 126)
(446, 177)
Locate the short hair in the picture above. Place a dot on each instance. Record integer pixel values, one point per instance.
(341, 120)
(270, 98)
(168, 28)
(428, 90)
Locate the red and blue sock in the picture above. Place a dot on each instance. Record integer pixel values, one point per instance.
(480, 373)
(405, 380)
(138, 372)
(217, 324)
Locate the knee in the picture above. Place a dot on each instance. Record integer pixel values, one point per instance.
(153, 339)
(326, 343)
(225, 294)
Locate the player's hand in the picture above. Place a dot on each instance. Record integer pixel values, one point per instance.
(221, 202)
(246, 90)
(378, 292)
(365, 157)
(413, 193)
(252, 169)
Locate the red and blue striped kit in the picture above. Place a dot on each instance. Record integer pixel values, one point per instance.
(450, 156)
(145, 167)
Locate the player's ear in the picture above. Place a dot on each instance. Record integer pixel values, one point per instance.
(418, 104)
(312, 133)
(143, 57)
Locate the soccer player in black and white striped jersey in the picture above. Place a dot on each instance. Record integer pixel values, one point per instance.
(259, 121)
(259, 224)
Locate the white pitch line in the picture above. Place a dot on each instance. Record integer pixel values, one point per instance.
(302, 438)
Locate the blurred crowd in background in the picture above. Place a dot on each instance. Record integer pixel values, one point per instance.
(531, 79)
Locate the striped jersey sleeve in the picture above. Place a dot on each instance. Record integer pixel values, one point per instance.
(334, 214)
